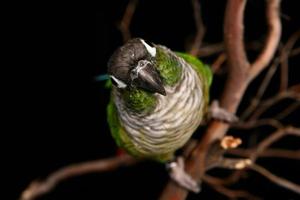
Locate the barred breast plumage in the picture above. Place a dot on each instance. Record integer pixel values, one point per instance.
(174, 119)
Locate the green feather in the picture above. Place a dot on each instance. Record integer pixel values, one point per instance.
(108, 84)
(168, 67)
(139, 100)
(117, 131)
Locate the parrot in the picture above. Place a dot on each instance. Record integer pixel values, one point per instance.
(158, 100)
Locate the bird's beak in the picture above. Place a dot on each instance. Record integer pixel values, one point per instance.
(146, 76)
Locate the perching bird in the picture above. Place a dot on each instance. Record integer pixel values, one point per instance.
(158, 100)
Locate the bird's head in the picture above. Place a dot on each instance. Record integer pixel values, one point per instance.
(133, 66)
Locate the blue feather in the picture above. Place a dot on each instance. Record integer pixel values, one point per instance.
(102, 77)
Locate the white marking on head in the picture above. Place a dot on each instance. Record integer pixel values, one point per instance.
(120, 83)
(151, 50)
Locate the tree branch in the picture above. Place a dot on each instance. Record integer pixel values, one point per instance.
(266, 104)
(234, 89)
(126, 20)
(273, 19)
(38, 188)
(199, 26)
(218, 63)
(275, 179)
(286, 50)
(210, 49)
(236, 84)
(273, 138)
(292, 107)
(285, 53)
(274, 153)
(257, 123)
(233, 194)
(216, 48)
(262, 88)
(295, 51)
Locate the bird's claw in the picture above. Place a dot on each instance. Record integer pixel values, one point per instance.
(178, 174)
(219, 113)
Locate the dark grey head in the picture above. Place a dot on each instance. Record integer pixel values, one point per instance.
(133, 65)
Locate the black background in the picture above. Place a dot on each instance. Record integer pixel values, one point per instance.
(59, 111)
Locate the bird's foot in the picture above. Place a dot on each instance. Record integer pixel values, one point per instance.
(178, 174)
(216, 112)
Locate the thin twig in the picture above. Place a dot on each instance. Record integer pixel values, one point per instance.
(262, 88)
(211, 49)
(199, 26)
(126, 20)
(273, 138)
(273, 153)
(40, 187)
(218, 63)
(292, 107)
(231, 179)
(233, 194)
(275, 179)
(266, 104)
(295, 52)
(284, 60)
(257, 123)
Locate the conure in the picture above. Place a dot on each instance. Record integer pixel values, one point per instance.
(158, 100)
